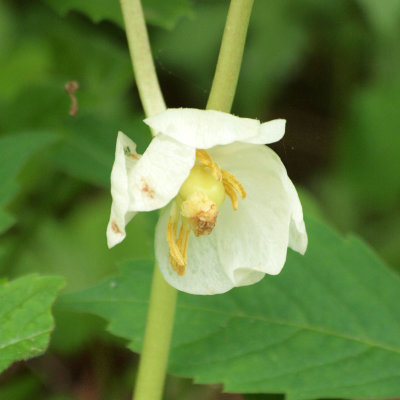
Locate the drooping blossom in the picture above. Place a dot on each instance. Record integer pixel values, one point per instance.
(229, 210)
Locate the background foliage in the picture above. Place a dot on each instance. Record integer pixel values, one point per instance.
(330, 68)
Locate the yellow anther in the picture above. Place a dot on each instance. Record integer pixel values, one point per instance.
(176, 258)
(232, 195)
(204, 158)
(177, 245)
(183, 241)
(231, 180)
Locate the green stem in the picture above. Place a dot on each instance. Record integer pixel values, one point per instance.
(142, 60)
(230, 56)
(162, 302)
(157, 339)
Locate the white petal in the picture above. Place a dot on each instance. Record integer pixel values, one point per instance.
(270, 132)
(204, 274)
(255, 237)
(125, 160)
(116, 226)
(203, 129)
(159, 174)
(298, 239)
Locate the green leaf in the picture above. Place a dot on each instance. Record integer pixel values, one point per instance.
(6, 220)
(275, 43)
(16, 149)
(368, 152)
(69, 49)
(164, 14)
(26, 321)
(22, 387)
(87, 151)
(98, 11)
(76, 248)
(327, 326)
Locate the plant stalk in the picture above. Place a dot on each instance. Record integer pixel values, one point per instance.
(142, 60)
(230, 56)
(157, 340)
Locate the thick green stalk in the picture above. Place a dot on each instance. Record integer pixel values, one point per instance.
(142, 60)
(157, 339)
(230, 56)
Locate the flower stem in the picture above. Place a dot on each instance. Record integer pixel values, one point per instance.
(142, 60)
(157, 339)
(230, 56)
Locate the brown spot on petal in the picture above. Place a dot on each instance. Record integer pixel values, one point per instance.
(146, 189)
(115, 228)
(132, 154)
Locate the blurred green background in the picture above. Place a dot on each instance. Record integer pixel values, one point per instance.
(332, 69)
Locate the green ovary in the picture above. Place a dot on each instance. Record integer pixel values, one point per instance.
(202, 180)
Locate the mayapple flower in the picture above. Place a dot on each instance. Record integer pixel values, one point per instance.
(196, 163)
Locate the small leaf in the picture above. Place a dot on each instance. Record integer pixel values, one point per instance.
(327, 326)
(164, 14)
(26, 320)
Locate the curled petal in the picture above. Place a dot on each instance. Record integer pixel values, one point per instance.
(204, 129)
(298, 239)
(125, 160)
(159, 174)
(269, 132)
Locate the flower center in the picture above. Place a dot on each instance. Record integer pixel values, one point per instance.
(197, 206)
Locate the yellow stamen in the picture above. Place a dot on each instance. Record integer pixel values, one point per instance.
(183, 241)
(204, 158)
(232, 195)
(175, 255)
(177, 245)
(197, 204)
(231, 183)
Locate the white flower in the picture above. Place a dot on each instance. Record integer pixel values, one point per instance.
(234, 243)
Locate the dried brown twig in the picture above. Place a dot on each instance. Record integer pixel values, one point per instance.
(71, 87)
